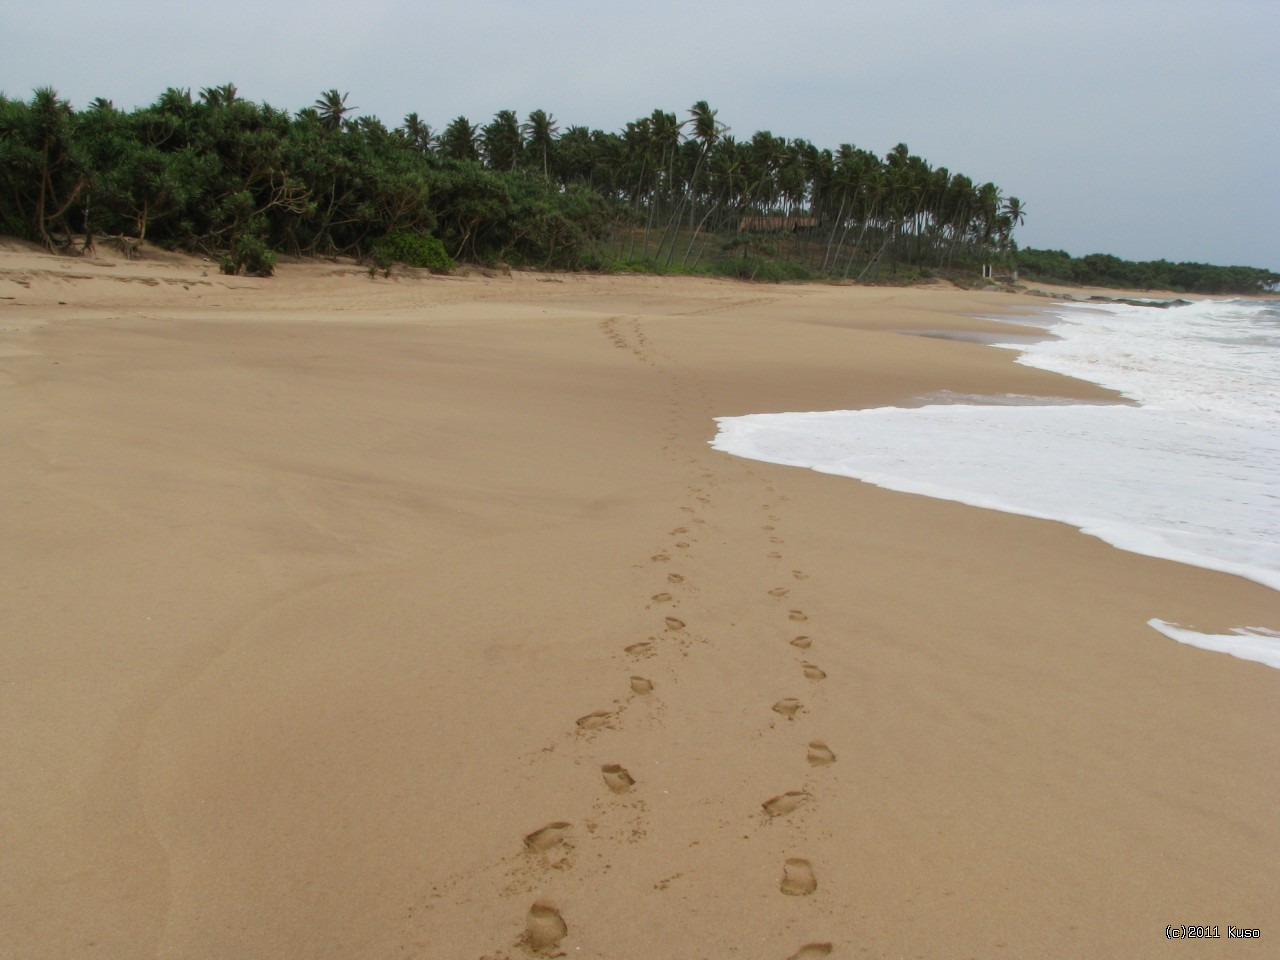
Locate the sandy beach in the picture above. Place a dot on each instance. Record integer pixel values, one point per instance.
(414, 617)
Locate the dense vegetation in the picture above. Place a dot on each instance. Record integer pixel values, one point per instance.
(1104, 270)
(219, 174)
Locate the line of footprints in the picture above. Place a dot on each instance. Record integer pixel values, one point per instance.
(545, 926)
(798, 876)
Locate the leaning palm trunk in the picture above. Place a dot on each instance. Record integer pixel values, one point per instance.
(675, 219)
(697, 230)
(874, 261)
(648, 227)
(857, 245)
(826, 256)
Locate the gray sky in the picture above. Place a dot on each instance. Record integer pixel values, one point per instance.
(1142, 129)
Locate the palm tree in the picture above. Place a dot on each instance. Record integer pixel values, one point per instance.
(666, 132)
(332, 107)
(1012, 214)
(831, 175)
(639, 142)
(458, 142)
(574, 156)
(1016, 211)
(988, 213)
(223, 96)
(706, 131)
(502, 141)
(706, 128)
(417, 133)
(540, 132)
(765, 153)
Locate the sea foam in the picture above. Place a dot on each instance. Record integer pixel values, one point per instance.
(1187, 472)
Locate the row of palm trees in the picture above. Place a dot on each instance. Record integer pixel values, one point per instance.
(203, 171)
(683, 182)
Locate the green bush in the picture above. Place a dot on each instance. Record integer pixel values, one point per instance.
(596, 261)
(413, 250)
(249, 254)
(759, 269)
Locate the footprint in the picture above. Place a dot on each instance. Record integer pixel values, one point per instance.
(642, 649)
(820, 754)
(547, 837)
(674, 578)
(788, 707)
(617, 778)
(785, 803)
(779, 592)
(776, 540)
(594, 721)
(802, 642)
(811, 951)
(666, 882)
(674, 623)
(544, 928)
(678, 530)
(660, 558)
(797, 878)
(661, 598)
(768, 527)
(774, 555)
(641, 685)
(812, 672)
(683, 545)
(799, 575)
(797, 615)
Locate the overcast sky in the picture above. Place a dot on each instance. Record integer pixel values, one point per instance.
(1143, 129)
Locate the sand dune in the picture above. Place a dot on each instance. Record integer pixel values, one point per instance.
(415, 618)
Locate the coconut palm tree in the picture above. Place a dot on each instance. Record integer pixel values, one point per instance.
(223, 96)
(574, 158)
(706, 131)
(417, 133)
(540, 139)
(1016, 211)
(503, 144)
(458, 142)
(332, 107)
(1012, 214)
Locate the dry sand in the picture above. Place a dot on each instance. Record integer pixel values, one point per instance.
(415, 618)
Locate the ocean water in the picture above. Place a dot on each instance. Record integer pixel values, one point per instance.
(1187, 469)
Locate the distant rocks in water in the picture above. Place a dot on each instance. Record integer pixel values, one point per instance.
(1162, 304)
(1100, 298)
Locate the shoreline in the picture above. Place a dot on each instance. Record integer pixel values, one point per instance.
(331, 594)
(908, 447)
